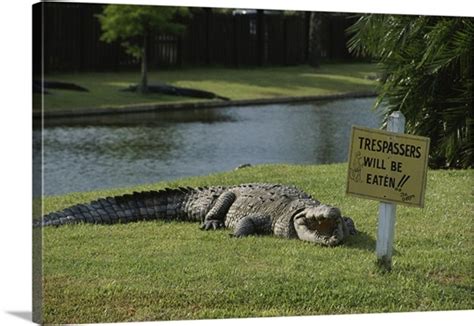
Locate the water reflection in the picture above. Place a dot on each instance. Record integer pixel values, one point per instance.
(103, 152)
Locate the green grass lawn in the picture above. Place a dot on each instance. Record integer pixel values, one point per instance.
(159, 271)
(236, 84)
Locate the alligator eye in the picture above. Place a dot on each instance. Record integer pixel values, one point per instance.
(299, 213)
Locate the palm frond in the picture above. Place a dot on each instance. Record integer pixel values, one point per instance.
(428, 64)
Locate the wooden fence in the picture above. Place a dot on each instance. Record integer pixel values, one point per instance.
(72, 40)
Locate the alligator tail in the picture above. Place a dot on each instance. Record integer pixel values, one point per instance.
(167, 204)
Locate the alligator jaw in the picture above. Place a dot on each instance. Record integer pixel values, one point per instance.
(320, 224)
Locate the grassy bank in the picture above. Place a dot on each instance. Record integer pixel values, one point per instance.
(156, 270)
(236, 84)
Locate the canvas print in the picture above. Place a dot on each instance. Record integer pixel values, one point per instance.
(191, 163)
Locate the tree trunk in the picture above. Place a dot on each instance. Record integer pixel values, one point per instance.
(144, 81)
(260, 37)
(315, 39)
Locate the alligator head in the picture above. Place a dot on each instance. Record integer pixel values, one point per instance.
(323, 225)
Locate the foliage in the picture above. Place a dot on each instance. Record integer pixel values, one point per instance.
(428, 75)
(133, 25)
(156, 270)
(129, 23)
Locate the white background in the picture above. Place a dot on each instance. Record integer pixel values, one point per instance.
(15, 154)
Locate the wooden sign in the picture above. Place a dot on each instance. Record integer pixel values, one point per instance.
(387, 166)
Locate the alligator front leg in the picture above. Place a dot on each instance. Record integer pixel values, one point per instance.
(253, 224)
(215, 218)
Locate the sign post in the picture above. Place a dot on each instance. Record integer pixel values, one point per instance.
(388, 166)
(388, 211)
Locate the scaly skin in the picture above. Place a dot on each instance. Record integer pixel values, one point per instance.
(284, 211)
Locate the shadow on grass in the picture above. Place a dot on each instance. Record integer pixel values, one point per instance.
(362, 241)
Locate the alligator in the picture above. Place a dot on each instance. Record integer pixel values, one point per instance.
(44, 86)
(248, 209)
(178, 91)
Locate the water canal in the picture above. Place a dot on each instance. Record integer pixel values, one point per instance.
(83, 154)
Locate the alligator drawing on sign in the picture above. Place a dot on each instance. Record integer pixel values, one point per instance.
(283, 211)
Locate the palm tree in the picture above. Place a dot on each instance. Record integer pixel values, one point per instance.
(427, 64)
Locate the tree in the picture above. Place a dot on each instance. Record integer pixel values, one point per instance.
(427, 64)
(315, 39)
(132, 25)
